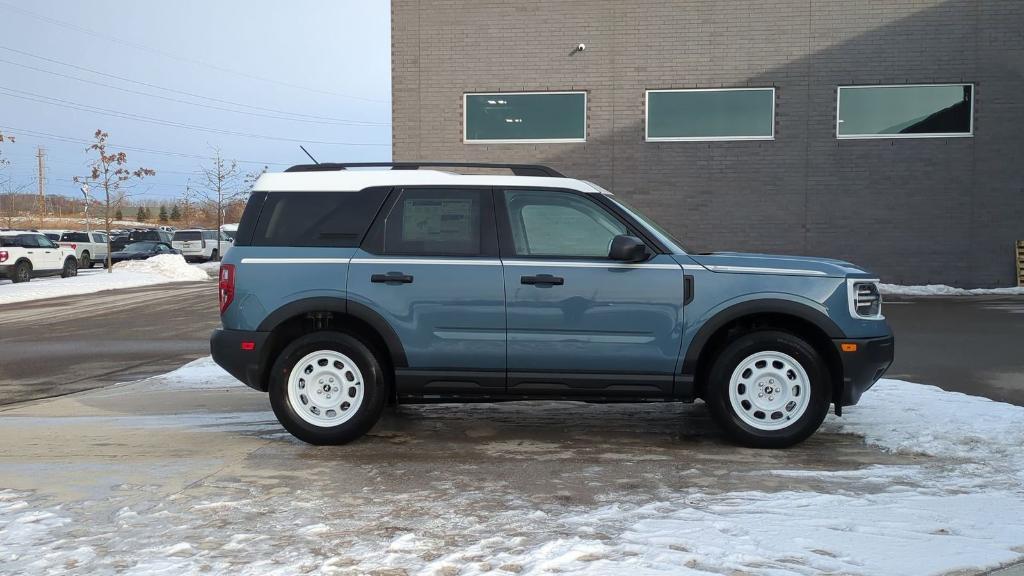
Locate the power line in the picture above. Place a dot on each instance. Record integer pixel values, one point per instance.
(318, 122)
(310, 117)
(24, 95)
(151, 50)
(73, 140)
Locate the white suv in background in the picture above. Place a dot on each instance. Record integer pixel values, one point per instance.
(27, 255)
(199, 244)
(90, 247)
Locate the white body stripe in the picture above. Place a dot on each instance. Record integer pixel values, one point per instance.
(758, 270)
(295, 260)
(572, 264)
(436, 261)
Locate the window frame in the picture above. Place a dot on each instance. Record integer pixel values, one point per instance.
(647, 116)
(839, 95)
(465, 119)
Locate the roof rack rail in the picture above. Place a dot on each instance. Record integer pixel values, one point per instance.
(517, 169)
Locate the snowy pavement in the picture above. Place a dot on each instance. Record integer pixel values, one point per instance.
(190, 473)
(156, 270)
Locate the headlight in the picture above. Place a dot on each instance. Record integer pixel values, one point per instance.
(865, 300)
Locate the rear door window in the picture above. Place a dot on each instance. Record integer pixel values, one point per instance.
(327, 219)
(440, 222)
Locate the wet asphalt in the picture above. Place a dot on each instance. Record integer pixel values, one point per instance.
(53, 347)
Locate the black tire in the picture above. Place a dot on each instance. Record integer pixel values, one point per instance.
(86, 261)
(214, 256)
(70, 268)
(716, 393)
(374, 388)
(22, 272)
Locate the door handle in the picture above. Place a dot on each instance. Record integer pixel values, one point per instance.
(543, 280)
(391, 278)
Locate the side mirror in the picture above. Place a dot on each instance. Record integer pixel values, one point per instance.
(627, 249)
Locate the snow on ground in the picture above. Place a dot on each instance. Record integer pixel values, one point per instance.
(955, 501)
(156, 270)
(943, 290)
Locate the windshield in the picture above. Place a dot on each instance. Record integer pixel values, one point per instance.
(666, 238)
(179, 236)
(139, 247)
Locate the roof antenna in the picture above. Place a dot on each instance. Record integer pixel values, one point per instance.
(308, 154)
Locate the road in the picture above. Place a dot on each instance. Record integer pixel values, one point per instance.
(54, 347)
(63, 345)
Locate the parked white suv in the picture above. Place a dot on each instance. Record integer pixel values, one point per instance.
(199, 244)
(90, 247)
(27, 255)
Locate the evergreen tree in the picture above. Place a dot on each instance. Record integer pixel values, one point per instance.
(163, 214)
(148, 212)
(118, 215)
(175, 213)
(140, 214)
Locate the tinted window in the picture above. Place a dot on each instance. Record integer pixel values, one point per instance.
(74, 237)
(138, 235)
(209, 234)
(904, 111)
(741, 114)
(29, 240)
(44, 242)
(315, 218)
(99, 238)
(546, 223)
(53, 236)
(558, 116)
(182, 236)
(434, 222)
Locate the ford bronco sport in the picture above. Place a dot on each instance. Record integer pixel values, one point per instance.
(349, 288)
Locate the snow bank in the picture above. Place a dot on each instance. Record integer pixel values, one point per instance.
(156, 270)
(943, 290)
(170, 266)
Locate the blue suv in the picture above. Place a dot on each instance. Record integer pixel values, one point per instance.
(349, 288)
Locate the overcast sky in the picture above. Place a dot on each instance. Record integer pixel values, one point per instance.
(175, 76)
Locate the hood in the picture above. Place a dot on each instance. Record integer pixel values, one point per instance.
(746, 263)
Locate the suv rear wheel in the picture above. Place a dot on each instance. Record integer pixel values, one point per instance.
(70, 268)
(327, 388)
(86, 260)
(22, 272)
(769, 389)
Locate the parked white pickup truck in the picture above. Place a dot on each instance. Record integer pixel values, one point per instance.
(90, 247)
(27, 255)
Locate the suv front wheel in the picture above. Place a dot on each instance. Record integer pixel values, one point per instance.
(769, 389)
(327, 388)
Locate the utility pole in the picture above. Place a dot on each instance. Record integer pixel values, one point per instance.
(41, 154)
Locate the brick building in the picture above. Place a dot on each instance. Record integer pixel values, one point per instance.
(886, 133)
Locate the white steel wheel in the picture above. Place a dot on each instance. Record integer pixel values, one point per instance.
(769, 390)
(326, 388)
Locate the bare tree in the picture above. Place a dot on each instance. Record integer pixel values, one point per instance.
(109, 171)
(221, 182)
(189, 204)
(7, 187)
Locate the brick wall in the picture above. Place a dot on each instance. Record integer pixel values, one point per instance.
(913, 210)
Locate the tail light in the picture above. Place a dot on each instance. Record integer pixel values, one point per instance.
(226, 286)
(4, 255)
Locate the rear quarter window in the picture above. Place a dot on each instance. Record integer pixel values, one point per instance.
(324, 219)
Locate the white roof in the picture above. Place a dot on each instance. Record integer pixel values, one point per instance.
(17, 232)
(354, 180)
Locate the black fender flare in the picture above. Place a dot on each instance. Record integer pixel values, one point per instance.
(340, 306)
(748, 308)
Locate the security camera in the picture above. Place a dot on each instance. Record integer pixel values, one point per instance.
(581, 47)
